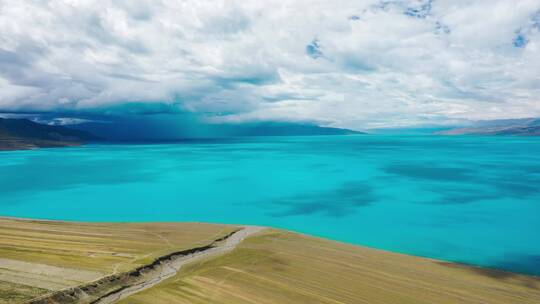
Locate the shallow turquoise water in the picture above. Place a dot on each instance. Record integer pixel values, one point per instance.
(467, 199)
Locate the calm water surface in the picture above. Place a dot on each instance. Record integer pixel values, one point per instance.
(466, 199)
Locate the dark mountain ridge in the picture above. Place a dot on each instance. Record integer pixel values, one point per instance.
(523, 127)
(17, 134)
(145, 130)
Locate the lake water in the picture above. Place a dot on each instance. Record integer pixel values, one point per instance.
(467, 199)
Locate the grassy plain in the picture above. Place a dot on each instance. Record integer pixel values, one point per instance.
(37, 257)
(277, 267)
(274, 266)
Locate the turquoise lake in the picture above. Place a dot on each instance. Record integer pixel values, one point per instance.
(471, 199)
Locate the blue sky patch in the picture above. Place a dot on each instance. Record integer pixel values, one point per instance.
(520, 41)
(421, 11)
(313, 49)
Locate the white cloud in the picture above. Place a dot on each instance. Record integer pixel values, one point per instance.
(376, 62)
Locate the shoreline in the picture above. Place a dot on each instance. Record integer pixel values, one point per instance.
(502, 272)
(55, 261)
(28, 145)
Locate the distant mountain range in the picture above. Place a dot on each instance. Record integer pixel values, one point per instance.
(523, 127)
(17, 134)
(141, 130)
(21, 134)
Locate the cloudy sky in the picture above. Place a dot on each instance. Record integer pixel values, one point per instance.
(354, 64)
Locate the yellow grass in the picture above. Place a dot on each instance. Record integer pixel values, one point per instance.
(39, 256)
(281, 267)
(16, 293)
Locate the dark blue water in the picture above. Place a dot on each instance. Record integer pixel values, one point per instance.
(467, 199)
